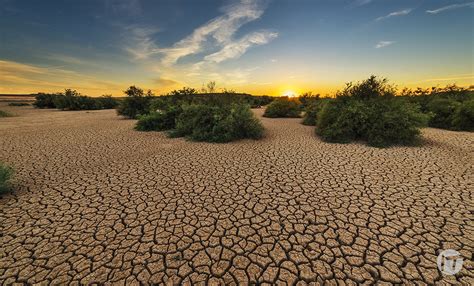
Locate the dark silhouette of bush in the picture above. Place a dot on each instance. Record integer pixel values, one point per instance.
(18, 104)
(258, 101)
(213, 123)
(368, 111)
(135, 104)
(442, 110)
(282, 107)
(463, 117)
(106, 102)
(311, 112)
(45, 100)
(6, 174)
(73, 100)
(307, 99)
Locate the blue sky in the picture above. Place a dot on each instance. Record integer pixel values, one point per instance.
(258, 46)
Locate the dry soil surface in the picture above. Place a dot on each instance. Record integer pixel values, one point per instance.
(98, 202)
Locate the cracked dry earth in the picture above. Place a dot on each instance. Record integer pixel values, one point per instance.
(97, 202)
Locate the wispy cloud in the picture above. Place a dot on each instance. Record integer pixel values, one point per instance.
(15, 76)
(451, 7)
(395, 14)
(383, 44)
(450, 78)
(362, 2)
(218, 34)
(164, 82)
(221, 29)
(144, 44)
(237, 48)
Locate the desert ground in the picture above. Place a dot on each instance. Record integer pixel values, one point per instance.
(97, 202)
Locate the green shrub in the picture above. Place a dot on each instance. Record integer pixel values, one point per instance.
(463, 117)
(45, 100)
(282, 107)
(161, 103)
(243, 123)
(393, 121)
(6, 174)
(311, 112)
(5, 114)
(375, 117)
(307, 99)
(18, 104)
(135, 104)
(72, 100)
(342, 120)
(197, 121)
(160, 120)
(442, 110)
(106, 102)
(370, 88)
(258, 101)
(213, 123)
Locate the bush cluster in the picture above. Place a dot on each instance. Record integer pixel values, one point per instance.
(6, 174)
(282, 107)
(463, 118)
(203, 122)
(18, 104)
(159, 120)
(258, 101)
(451, 114)
(214, 123)
(368, 111)
(442, 110)
(137, 104)
(311, 112)
(210, 117)
(45, 100)
(449, 107)
(72, 100)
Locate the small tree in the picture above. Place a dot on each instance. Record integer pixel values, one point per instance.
(211, 86)
(134, 91)
(136, 103)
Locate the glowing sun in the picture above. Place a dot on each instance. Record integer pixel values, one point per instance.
(289, 93)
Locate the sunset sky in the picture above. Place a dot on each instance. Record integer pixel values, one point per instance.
(261, 47)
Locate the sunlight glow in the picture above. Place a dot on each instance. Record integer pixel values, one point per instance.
(289, 93)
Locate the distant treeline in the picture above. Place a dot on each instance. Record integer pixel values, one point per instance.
(450, 107)
(137, 102)
(72, 100)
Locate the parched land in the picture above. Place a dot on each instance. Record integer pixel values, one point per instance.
(98, 202)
